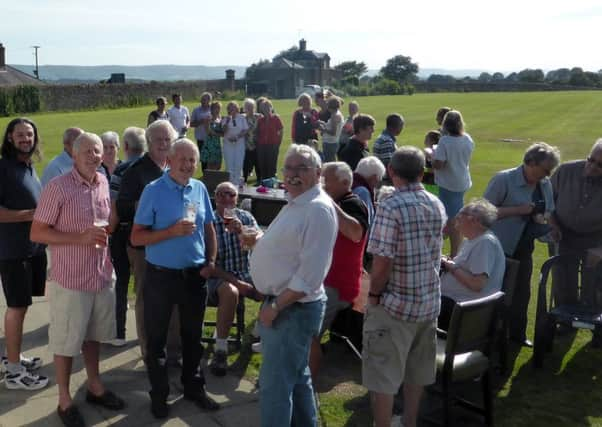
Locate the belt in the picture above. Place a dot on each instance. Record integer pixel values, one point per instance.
(178, 271)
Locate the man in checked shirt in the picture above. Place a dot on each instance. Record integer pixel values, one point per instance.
(399, 334)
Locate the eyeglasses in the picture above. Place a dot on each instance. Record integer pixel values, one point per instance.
(594, 162)
(295, 169)
(226, 193)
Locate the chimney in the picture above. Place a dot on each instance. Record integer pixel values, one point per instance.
(2, 57)
(302, 45)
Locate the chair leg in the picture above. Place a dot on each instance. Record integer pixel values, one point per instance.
(486, 383)
(503, 347)
(447, 404)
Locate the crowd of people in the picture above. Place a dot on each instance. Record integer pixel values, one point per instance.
(103, 219)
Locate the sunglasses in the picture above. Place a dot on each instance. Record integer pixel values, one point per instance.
(226, 193)
(594, 162)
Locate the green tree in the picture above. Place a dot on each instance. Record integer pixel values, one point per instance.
(351, 71)
(288, 53)
(400, 69)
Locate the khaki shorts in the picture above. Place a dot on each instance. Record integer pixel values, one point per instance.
(78, 316)
(396, 352)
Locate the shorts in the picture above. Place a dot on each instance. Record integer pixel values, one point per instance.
(23, 278)
(90, 317)
(396, 352)
(333, 306)
(452, 201)
(212, 285)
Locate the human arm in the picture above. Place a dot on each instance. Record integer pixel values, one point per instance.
(349, 226)
(496, 193)
(474, 282)
(210, 250)
(46, 234)
(143, 235)
(332, 125)
(16, 215)
(379, 276)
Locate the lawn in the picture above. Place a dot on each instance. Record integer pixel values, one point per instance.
(567, 391)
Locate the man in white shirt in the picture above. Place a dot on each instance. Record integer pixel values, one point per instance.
(288, 265)
(179, 117)
(62, 163)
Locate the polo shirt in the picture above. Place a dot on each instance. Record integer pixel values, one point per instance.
(161, 205)
(20, 189)
(58, 166)
(200, 113)
(509, 188)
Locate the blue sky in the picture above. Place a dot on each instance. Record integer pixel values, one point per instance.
(458, 34)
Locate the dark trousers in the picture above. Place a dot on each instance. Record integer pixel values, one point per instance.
(447, 308)
(163, 289)
(250, 163)
(200, 143)
(522, 292)
(267, 159)
(121, 263)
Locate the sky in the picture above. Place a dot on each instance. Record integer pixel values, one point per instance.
(459, 34)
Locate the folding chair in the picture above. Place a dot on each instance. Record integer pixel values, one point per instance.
(508, 286)
(238, 324)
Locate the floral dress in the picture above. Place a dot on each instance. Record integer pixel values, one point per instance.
(212, 148)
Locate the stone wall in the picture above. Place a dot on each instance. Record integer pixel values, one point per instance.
(90, 96)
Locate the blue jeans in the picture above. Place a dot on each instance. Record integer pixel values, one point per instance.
(330, 151)
(286, 395)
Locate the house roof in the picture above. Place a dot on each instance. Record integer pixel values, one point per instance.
(10, 76)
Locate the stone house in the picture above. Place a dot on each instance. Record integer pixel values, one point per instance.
(10, 76)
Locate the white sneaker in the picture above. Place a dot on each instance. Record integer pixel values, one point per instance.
(117, 342)
(25, 381)
(29, 363)
(256, 347)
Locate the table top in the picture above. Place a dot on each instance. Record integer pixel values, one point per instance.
(272, 194)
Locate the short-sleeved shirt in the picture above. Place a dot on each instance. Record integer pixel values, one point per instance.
(200, 113)
(71, 204)
(509, 188)
(230, 255)
(58, 166)
(481, 255)
(178, 117)
(20, 189)
(115, 181)
(268, 129)
(353, 152)
(234, 127)
(163, 204)
(456, 151)
(408, 228)
(384, 147)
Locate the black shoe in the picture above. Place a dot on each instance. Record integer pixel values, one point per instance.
(523, 343)
(108, 400)
(219, 363)
(71, 417)
(159, 408)
(202, 400)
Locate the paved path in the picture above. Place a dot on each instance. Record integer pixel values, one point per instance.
(123, 372)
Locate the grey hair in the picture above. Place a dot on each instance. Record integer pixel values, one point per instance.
(226, 184)
(483, 210)
(71, 134)
(384, 192)
(597, 145)
(86, 136)
(541, 152)
(180, 142)
(408, 163)
(249, 101)
(309, 154)
(340, 169)
(135, 138)
(369, 166)
(150, 130)
(110, 137)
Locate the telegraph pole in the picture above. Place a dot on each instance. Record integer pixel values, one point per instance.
(36, 72)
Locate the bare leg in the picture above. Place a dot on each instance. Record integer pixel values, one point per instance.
(228, 299)
(382, 409)
(13, 325)
(411, 402)
(62, 367)
(91, 353)
(315, 358)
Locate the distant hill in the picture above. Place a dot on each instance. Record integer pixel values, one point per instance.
(92, 74)
(423, 73)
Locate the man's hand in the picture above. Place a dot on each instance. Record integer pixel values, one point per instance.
(94, 236)
(525, 209)
(208, 270)
(182, 228)
(234, 226)
(267, 315)
(247, 290)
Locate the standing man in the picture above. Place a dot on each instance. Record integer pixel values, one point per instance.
(288, 266)
(62, 163)
(134, 145)
(178, 115)
(342, 283)
(404, 298)
(159, 135)
(577, 189)
(174, 220)
(22, 262)
(201, 116)
(82, 301)
(385, 144)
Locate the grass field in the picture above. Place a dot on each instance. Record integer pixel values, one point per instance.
(567, 391)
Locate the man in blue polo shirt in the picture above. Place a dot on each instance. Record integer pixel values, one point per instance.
(174, 221)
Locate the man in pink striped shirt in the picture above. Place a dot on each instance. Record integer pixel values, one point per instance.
(71, 218)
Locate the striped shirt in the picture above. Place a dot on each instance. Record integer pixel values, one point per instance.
(384, 147)
(70, 204)
(407, 228)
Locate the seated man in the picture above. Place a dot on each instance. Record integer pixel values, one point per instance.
(478, 269)
(231, 275)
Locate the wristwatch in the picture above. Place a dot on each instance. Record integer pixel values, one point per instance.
(274, 305)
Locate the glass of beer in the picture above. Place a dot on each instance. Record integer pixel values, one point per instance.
(229, 216)
(248, 237)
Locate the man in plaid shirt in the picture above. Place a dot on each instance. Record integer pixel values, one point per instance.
(403, 303)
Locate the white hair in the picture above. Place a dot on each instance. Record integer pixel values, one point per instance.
(597, 145)
(369, 166)
(135, 139)
(305, 151)
(110, 137)
(150, 130)
(86, 137)
(173, 149)
(249, 101)
(340, 169)
(483, 210)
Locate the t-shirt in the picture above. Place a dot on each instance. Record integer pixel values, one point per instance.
(236, 127)
(337, 127)
(154, 116)
(353, 152)
(178, 118)
(456, 151)
(483, 254)
(268, 129)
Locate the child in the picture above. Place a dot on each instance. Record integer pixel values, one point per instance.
(431, 139)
